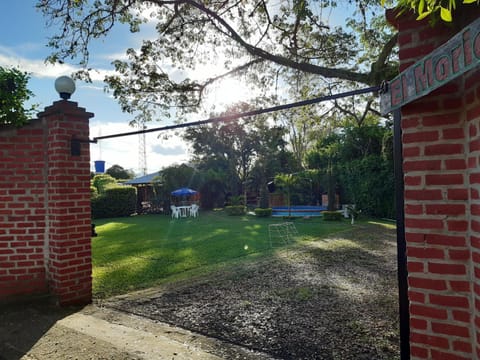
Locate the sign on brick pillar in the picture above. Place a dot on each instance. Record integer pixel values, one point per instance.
(69, 215)
(439, 201)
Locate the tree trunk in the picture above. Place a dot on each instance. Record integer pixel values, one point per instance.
(331, 191)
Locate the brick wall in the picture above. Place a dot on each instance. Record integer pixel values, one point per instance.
(441, 148)
(45, 224)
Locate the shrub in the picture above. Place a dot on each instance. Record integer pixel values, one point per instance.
(93, 191)
(102, 182)
(263, 212)
(236, 200)
(332, 215)
(235, 210)
(115, 202)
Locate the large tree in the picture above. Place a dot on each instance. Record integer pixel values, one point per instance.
(262, 41)
(228, 147)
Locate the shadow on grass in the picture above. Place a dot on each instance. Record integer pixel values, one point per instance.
(333, 298)
(138, 252)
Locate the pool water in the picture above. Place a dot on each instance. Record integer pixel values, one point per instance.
(296, 213)
(297, 210)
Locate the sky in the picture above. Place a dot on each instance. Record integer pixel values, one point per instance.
(23, 45)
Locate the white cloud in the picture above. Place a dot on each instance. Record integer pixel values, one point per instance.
(37, 68)
(92, 87)
(40, 69)
(121, 55)
(124, 151)
(166, 150)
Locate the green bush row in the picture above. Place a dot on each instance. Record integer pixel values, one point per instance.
(115, 202)
(235, 210)
(263, 212)
(332, 215)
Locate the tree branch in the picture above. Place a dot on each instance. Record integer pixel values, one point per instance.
(278, 59)
(379, 70)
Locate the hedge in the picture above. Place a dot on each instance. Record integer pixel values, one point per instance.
(115, 202)
(263, 212)
(235, 209)
(332, 215)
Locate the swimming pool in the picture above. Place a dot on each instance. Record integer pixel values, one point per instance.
(298, 210)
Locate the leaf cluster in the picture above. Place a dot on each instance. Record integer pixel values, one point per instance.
(433, 9)
(13, 95)
(119, 173)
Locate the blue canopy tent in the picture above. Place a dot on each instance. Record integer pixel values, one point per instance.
(183, 192)
(185, 196)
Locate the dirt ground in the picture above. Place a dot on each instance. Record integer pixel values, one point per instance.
(329, 299)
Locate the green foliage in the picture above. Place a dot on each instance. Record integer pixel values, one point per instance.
(272, 157)
(236, 200)
(369, 183)
(102, 182)
(297, 187)
(175, 177)
(227, 147)
(359, 164)
(115, 202)
(212, 194)
(119, 173)
(433, 9)
(93, 191)
(110, 199)
(263, 212)
(332, 216)
(286, 182)
(13, 95)
(235, 210)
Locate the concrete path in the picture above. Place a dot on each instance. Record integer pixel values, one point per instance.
(42, 331)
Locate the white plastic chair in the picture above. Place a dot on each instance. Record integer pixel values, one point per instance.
(194, 210)
(175, 212)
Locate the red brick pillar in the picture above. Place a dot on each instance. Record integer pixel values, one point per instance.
(68, 203)
(441, 148)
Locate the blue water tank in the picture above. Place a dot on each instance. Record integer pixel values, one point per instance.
(99, 166)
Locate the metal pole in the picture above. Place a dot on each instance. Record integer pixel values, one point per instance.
(401, 243)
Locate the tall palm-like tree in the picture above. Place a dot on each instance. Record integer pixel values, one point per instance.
(286, 183)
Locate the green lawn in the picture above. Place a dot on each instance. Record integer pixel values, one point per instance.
(141, 251)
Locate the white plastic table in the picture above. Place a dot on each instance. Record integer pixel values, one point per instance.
(184, 210)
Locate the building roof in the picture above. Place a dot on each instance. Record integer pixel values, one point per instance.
(145, 179)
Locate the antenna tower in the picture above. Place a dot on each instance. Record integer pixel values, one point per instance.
(142, 149)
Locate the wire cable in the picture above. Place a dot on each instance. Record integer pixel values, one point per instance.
(236, 116)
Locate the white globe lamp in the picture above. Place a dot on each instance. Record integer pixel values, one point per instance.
(65, 86)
